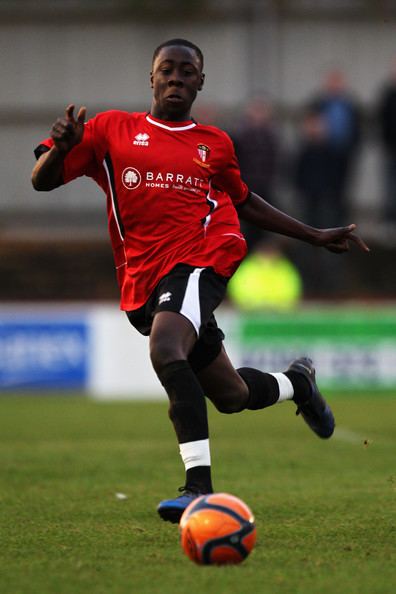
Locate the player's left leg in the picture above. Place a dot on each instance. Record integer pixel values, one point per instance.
(233, 390)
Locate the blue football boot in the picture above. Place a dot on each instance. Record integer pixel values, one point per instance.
(171, 510)
(315, 411)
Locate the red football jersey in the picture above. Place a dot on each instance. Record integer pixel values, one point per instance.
(171, 189)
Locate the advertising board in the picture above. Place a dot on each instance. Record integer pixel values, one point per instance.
(353, 349)
(41, 352)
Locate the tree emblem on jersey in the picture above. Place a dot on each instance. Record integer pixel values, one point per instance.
(131, 178)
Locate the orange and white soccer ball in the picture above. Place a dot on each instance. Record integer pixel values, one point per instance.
(217, 529)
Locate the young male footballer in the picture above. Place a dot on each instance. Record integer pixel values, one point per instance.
(174, 199)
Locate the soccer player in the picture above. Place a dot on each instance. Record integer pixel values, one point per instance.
(174, 194)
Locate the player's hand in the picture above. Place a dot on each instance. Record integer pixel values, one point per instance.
(338, 240)
(68, 131)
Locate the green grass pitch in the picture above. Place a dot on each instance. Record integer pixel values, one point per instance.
(325, 510)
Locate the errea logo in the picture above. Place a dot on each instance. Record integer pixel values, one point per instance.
(164, 297)
(141, 139)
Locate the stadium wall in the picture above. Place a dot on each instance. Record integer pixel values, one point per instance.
(93, 349)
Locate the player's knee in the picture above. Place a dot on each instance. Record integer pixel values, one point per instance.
(230, 405)
(162, 352)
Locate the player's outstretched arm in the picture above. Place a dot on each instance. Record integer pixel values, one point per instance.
(66, 133)
(261, 214)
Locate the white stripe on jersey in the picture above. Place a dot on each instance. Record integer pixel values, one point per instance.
(234, 235)
(171, 128)
(191, 308)
(112, 199)
(214, 204)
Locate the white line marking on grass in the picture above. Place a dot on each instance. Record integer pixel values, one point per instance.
(349, 436)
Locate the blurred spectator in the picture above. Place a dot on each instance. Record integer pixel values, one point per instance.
(266, 279)
(314, 176)
(317, 186)
(387, 122)
(343, 126)
(257, 148)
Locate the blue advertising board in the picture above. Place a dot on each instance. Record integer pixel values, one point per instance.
(43, 353)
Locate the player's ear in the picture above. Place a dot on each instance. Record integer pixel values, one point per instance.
(201, 84)
(151, 80)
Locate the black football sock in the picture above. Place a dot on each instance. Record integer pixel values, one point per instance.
(301, 386)
(188, 413)
(187, 409)
(199, 478)
(263, 388)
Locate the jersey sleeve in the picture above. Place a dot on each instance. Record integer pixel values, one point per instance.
(229, 177)
(82, 159)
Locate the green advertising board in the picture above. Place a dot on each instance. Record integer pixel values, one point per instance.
(353, 348)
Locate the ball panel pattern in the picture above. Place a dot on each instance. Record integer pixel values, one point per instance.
(217, 528)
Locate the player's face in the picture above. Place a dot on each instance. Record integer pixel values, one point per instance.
(176, 78)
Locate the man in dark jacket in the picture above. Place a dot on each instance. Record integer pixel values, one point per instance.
(342, 120)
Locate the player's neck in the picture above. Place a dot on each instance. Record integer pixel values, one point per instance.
(161, 114)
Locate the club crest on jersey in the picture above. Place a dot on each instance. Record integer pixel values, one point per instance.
(203, 152)
(131, 178)
(141, 139)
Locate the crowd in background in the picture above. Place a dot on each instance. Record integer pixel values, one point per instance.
(320, 165)
(318, 168)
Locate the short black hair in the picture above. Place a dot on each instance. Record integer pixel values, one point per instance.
(182, 42)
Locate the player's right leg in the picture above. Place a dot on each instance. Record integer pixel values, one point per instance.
(176, 315)
(172, 338)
